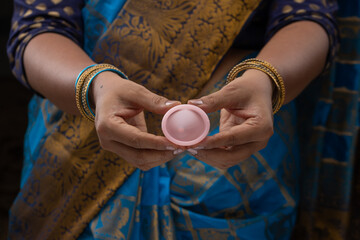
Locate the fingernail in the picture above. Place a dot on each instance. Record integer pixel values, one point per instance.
(178, 151)
(192, 151)
(196, 102)
(168, 103)
(228, 147)
(170, 148)
(199, 148)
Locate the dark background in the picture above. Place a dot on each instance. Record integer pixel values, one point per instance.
(13, 118)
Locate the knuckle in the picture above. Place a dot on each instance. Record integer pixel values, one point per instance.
(224, 166)
(144, 167)
(157, 145)
(102, 132)
(140, 158)
(211, 100)
(202, 155)
(147, 168)
(268, 130)
(165, 156)
(104, 144)
(247, 152)
(135, 142)
(232, 163)
(231, 140)
(231, 88)
(262, 126)
(238, 159)
(101, 128)
(262, 145)
(247, 156)
(142, 163)
(157, 100)
(162, 156)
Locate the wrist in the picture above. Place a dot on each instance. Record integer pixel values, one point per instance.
(102, 84)
(263, 81)
(259, 81)
(278, 93)
(84, 88)
(97, 87)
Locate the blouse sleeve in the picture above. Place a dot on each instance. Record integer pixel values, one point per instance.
(32, 17)
(320, 11)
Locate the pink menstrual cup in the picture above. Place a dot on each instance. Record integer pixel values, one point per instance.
(185, 125)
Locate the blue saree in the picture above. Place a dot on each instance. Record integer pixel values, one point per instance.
(188, 199)
(71, 188)
(329, 206)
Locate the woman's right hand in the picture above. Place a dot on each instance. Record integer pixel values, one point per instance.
(120, 121)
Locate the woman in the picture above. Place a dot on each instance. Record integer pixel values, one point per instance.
(118, 178)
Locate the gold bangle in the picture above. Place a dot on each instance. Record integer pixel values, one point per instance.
(279, 78)
(240, 68)
(85, 90)
(278, 97)
(83, 83)
(85, 109)
(78, 88)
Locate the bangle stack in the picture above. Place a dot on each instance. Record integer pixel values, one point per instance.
(82, 86)
(278, 97)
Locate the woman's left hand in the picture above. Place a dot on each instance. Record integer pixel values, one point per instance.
(246, 120)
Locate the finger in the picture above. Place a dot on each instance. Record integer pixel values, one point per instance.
(227, 97)
(118, 130)
(153, 102)
(225, 158)
(138, 121)
(252, 130)
(229, 120)
(143, 159)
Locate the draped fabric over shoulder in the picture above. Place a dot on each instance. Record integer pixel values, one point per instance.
(71, 188)
(330, 196)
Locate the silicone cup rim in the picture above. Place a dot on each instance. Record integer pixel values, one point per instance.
(199, 111)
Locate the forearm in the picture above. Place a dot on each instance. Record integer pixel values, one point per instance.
(298, 51)
(52, 63)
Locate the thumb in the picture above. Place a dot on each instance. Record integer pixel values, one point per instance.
(154, 103)
(214, 101)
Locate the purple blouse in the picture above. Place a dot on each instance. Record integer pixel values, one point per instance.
(32, 17)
